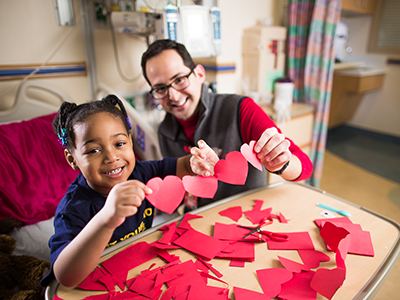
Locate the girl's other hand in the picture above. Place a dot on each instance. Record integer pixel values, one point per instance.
(203, 159)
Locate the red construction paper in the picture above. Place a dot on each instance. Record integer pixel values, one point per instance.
(247, 151)
(244, 294)
(234, 213)
(232, 232)
(319, 222)
(282, 218)
(145, 287)
(332, 235)
(200, 186)
(257, 216)
(233, 169)
(167, 194)
(237, 263)
(293, 266)
(342, 251)
(271, 280)
(168, 293)
(326, 282)
(209, 267)
(185, 221)
(242, 251)
(93, 297)
(200, 244)
(129, 258)
(298, 288)
(201, 292)
(296, 241)
(92, 283)
(312, 258)
(168, 233)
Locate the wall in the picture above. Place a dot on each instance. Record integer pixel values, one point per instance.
(378, 111)
(29, 34)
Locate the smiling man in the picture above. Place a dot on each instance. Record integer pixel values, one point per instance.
(224, 121)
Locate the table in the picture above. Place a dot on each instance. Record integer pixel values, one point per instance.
(297, 202)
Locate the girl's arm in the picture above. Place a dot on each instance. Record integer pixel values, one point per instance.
(82, 254)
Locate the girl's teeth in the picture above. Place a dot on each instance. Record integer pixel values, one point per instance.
(115, 171)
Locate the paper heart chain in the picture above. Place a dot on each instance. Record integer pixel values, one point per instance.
(168, 193)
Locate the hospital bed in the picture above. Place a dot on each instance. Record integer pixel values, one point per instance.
(35, 174)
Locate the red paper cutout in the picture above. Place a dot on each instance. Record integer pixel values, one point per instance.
(200, 244)
(167, 194)
(244, 294)
(237, 263)
(282, 218)
(168, 233)
(272, 279)
(242, 251)
(298, 287)
(312, 258)
(231, 232)
(233, 169)
(293, 266)
(342, 251)
(297, 240)
(326, 282)
(320, 222)
(332, 235)
(235, 213)
(200, 186)
(201, 292)
(247, 151)
(209, 267)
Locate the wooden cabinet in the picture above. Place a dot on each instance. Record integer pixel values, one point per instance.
(359, 6)
(298, 129)
(347, 93)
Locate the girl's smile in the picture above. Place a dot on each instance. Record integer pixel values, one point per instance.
(104, 151)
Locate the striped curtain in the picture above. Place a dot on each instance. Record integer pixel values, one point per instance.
(312, 25)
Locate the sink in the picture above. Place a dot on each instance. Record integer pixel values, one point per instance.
(361, 71)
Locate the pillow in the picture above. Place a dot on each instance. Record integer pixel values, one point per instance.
(34, 173)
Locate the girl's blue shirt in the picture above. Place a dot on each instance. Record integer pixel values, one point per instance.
(80, 204)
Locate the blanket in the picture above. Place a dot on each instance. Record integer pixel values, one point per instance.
(34, 173)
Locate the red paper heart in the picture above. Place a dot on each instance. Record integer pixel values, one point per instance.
(312, 258)
(326, 282)
(233, 169)
(293, 266)
(250, 155)
(200, 186)
(272, 279)
(167, 194)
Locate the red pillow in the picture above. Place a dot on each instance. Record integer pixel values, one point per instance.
(34, 173)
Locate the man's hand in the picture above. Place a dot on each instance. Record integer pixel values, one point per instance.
(203, 159)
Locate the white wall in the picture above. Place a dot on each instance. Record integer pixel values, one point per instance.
(29, 34)
(379, 111)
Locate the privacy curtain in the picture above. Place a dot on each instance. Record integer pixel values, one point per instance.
(311, 30)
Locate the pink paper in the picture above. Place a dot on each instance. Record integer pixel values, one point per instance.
(342, 251)
(272, 279)
(233, 169)
(248, 153)
(167, 194)
(312, 258)
(327, 282)
(244, 294)
(298, 287)
(200, 186)
(235, 213)
(293, 266)
(297, 240)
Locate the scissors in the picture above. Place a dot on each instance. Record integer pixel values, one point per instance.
(279, 237)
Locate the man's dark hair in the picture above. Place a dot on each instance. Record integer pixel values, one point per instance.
(159, 46)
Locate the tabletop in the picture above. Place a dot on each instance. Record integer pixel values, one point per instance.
(297, 202)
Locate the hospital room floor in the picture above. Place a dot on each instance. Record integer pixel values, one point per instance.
(347, 174)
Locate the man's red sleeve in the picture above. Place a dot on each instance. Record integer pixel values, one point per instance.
(254, 121)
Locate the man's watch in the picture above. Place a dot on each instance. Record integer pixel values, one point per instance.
(279, 172)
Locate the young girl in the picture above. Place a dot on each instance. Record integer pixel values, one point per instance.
(105, 204)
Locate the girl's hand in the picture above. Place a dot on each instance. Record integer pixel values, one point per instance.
(123, 201)
(203, 159)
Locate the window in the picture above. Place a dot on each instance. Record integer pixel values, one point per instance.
(385, 37)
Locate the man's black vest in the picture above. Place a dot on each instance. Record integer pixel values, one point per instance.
(219, 127)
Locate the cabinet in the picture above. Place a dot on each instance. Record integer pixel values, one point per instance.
(348, 90)
(298, 129)
(359, 6)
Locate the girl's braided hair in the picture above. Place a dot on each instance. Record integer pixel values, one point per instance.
(70, 114)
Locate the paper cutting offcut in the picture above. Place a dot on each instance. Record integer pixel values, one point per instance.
(234, 213)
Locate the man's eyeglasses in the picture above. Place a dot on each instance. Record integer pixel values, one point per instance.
(180, 83)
